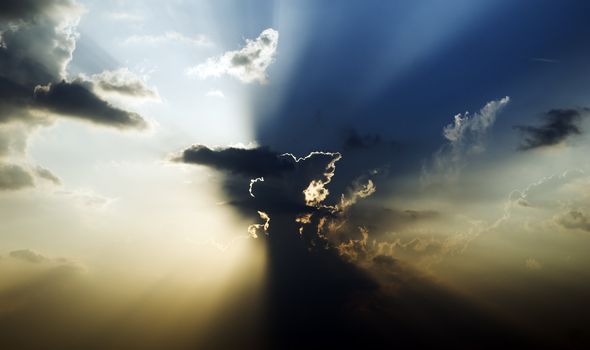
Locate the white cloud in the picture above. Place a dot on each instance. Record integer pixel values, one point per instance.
(215, 93)
(249, 64)
(171, 36)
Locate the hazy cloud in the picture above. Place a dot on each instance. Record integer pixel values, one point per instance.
(558, 125)
(533, 264)
(28, 255)
(574, 220)
(249, 64)
(215, 93)
(47, 175)
(170, 36)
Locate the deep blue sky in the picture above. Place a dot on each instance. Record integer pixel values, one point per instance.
(403, 69)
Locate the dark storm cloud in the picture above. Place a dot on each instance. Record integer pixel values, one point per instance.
(558, 125)
(253, 162)
(75, 100)
(14, 177)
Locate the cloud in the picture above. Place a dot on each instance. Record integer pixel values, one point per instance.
(464, 137)
(215, 93)
(38, 39)
(120, 82)
(249, 64)
(75, 100)
(170, 36)
(88, 198)
(14, 177)
(28, 255)
(559, 124)
(47, 175)
(253, 162)
(354, 141)
(574, 220)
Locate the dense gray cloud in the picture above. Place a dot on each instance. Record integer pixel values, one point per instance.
(75, 100)
(558, 125)
(14, 177)
(253, 162)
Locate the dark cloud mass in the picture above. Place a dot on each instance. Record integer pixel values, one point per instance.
(17, 9)
(354, 140)
(37, 40)
(325, 287)
(74, 100)
(14, 177)
(253, 162)
(559, 124)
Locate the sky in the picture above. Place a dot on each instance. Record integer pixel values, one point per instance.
(278, 174)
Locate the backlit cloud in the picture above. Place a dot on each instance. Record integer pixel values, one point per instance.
(249, 64)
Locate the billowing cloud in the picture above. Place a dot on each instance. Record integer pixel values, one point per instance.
(558, 125)
(249, 64)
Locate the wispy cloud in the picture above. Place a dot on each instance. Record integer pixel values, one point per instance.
(167, 37)
(215, 93)
(464, 137)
